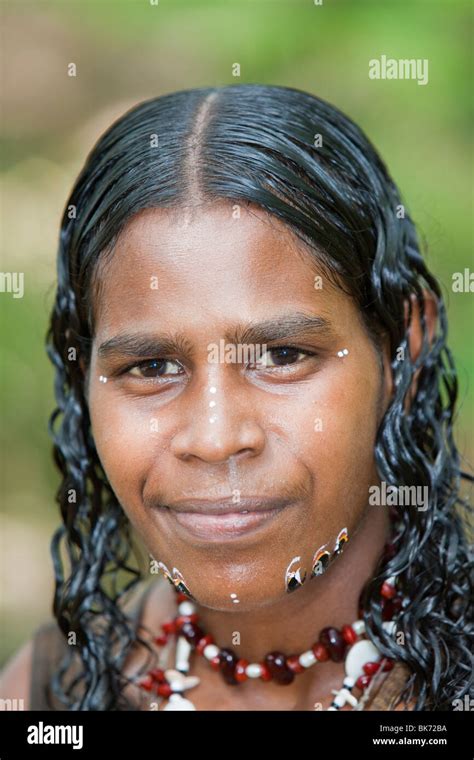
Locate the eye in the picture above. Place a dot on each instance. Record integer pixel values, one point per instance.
(282, 356)
(154, 368)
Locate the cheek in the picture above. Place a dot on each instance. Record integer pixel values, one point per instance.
(345, 443)
(123, 435)
(331, 428)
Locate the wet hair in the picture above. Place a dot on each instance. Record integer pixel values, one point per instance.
(304, 162)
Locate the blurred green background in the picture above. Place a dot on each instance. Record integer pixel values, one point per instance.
(129, 51)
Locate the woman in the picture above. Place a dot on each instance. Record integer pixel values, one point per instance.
(252, 373)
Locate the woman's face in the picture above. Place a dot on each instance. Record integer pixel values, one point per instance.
(238, 461)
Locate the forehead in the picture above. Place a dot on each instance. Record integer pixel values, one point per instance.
(216, 262)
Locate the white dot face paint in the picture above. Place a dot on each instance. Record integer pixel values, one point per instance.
(102, 379)
(343, 352)
(234, 598)
(212, 404)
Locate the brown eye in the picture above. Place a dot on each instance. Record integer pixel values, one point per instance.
(156, 368)
(281, 356)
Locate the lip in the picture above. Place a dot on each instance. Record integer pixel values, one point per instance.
(222, 520)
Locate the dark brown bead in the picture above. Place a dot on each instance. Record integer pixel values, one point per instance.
(191, 633)
(388, 609)
(228, 661)
(335, 644)
(280, 672)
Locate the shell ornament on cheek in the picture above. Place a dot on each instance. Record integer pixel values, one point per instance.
(176, 579)
(321, 561)
(294, 578)
(323, 558)
(341, 541)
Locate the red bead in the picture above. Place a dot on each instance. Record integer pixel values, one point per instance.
(348, 634)
(265, 675)
(202, 643)
(320, 652)
(388, 665)
(240, 675)
(161, 640)
(158, 675)
(390, 607)
(363, 681)
(164, 690)
(370, 668)
(388, 591)
(294, 664)
(215, 662)
(169, 626)
(147, 683)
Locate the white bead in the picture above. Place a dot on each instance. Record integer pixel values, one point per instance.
(179, 681)
(186, 608)
(339, 700)
(360, 653)
(177, 702)
(306, 659)
(183, 651)
(177, 685)
(210, 651)
(351, 699)
(332, 709)
(348, 682)
(254, 670)
(390, 626)
(358, 627)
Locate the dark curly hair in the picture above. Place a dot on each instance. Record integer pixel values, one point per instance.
(303, 161)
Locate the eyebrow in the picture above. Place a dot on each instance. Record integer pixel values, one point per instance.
(281, 327)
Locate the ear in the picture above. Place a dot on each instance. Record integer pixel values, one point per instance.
(82, 365)
(415, 343)
(415, 330)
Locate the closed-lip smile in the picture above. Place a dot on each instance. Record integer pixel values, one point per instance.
(220, 520)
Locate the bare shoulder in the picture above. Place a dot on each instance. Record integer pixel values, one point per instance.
(159, 606)
(404, 707)
(15, 679)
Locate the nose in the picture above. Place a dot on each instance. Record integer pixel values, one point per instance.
(218, 422)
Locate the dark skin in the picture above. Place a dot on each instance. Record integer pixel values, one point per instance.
(215, 273)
